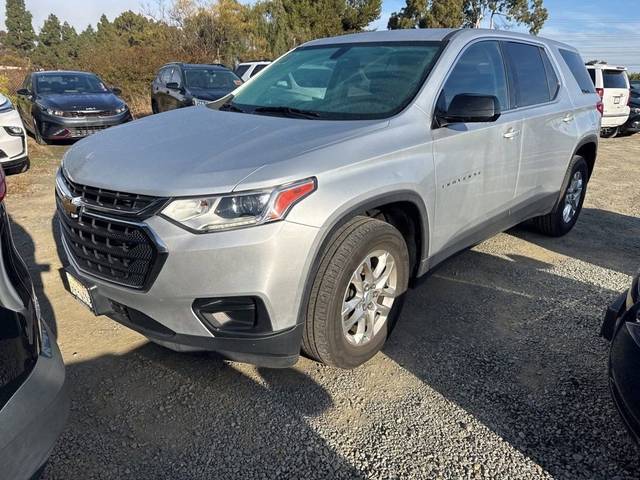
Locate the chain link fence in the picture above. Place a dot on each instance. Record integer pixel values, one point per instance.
(11, 79)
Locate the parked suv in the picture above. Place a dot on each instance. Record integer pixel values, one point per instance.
(34, 402)
(612, 84)
(276, 218)
(180, 85)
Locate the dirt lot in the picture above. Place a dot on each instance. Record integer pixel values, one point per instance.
(495, 370)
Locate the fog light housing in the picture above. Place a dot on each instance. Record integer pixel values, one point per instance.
(233, 314)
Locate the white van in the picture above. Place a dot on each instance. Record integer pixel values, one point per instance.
(612, 84)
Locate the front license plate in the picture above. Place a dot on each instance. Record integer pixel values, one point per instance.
(616, 100)
(79, 291)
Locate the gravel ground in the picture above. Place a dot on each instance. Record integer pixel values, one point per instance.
(495, 369)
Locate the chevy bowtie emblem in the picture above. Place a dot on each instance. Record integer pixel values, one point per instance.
(72, 206)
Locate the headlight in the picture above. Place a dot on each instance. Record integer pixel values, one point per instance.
(237, 210)
(199, 101)
(15, 131)
(122, 109)
(51, 111)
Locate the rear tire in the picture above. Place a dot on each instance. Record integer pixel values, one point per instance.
(609, 132)
(357, 293)
(565, 215)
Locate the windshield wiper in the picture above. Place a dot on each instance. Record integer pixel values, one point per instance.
(288, 111)
(230, 107)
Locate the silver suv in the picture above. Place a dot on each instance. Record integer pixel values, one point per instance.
(293, 215)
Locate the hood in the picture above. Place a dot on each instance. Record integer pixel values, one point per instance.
(193, 151)
(81, 101)
(209, 94)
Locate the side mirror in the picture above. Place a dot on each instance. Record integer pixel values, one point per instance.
(173, 86)
(24, 92)
(116, 90)
(470, 108)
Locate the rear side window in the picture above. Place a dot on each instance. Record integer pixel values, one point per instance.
(241, 70)
(258, 68)
(529, 75)
(579, 71)
(614, 79)
(552, 78)
(479, 71)
(592, 74)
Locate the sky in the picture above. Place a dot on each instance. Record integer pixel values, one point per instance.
(604, 30)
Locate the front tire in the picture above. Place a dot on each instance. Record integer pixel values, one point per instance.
(357, 293)
(36, 133)
(565, 215)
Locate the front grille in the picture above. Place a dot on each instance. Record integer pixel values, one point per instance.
(121, 202)
(91, 114)
(109, 249)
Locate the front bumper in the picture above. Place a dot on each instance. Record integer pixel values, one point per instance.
(34, 417)
(622, 328)
(267, 263)
(62, 128)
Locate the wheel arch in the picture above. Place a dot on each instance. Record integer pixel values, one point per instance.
(387, 204)
(588, 149)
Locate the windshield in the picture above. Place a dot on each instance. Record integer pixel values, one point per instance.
(69, 83)
(347, 81)
(211, 79)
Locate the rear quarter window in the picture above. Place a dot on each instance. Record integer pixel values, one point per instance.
(614, 79)
(579, 71)
(241, 70)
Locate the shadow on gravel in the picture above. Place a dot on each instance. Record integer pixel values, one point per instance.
(27, 249)
(600, 237)
(188, 417)
(517, 347)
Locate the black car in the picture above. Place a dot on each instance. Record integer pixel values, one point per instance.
(61, 105)
(180, 85)
(34, 402)
(632, 125)
(622, 328)
(635, 88)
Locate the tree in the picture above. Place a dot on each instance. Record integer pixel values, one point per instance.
(428, 14)
(48, 53)
(20, 35)
(469, 13)
(526, 12)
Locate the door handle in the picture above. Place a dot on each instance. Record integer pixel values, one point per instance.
(568, 118)
(511, 133)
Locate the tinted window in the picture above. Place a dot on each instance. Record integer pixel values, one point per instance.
(211, 78)
(258, 68)
(368, 80)
(614, 79)
(479, 71)
(552, 78)
(579, 71)
(69, 83)
(241, 70)
(592, 74)
(528, 74)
